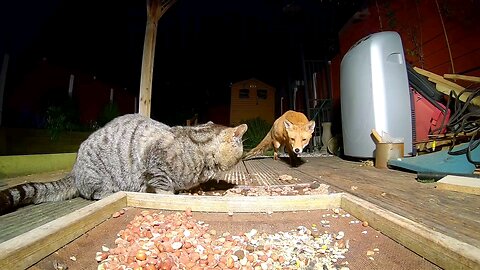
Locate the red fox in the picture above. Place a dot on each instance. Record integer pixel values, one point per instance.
(292, 129)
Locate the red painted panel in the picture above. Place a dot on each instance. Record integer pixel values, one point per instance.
(460, 18)
(432, 46)
(465, 64)
(465, 46)
(47, 82)
(438, 58)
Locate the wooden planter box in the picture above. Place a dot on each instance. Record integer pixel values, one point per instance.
(29, 248)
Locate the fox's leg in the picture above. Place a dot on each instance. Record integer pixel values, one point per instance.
(276, 146)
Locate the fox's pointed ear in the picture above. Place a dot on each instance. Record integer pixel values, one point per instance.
(311, 126)
(240, 130)
(287, 124)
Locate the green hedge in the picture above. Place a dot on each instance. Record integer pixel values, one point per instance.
(18, 141)
(11, 166)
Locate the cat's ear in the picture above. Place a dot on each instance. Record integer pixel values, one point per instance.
(240, 130)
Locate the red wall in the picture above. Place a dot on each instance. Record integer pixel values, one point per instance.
(28, 101)
(424, 40)
(93, 95)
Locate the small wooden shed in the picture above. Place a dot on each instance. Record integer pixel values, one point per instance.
(250, 99)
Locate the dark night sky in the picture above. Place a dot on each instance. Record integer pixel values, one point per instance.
(202, 46)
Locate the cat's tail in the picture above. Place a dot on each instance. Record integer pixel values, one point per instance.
(263, 146)
(34, 193)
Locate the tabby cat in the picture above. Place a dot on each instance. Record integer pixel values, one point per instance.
(136, 153)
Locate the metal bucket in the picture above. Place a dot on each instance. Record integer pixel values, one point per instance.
(387, 151)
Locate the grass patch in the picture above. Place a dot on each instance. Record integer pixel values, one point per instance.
(257, 129)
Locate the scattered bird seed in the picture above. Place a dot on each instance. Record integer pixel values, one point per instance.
(160, 241)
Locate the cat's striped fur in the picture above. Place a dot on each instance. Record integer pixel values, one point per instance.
(136, 153)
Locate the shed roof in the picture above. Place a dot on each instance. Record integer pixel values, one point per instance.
(253, 80)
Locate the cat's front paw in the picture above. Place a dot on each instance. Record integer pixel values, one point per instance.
(161, 191)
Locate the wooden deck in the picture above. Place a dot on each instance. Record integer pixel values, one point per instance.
(452, 213)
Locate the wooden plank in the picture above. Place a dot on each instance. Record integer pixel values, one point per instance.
(427, 73)
(236, 204)
(457, 88)
(261, 173)
(442, 250)
(451, 213)
(469, 185)
(27, 249)
(446, 90)
(462, 77)
(438, 78)
(267, 171)
(445, 86)
(238, 175)
(37, 177)
(32, 216)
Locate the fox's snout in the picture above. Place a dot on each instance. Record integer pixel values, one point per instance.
(298, 144)
(298, 149)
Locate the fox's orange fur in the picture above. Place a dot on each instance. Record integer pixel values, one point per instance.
(292, 129)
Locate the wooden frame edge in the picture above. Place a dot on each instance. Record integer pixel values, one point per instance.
(238, 204)
(440, 249)
(458, 188)
(27, 249)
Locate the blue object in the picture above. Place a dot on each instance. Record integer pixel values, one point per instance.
(439, 162)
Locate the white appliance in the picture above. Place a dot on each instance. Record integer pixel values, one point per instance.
(375, 94)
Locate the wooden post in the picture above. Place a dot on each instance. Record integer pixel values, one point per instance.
(155, 10)
(3, 78)
(70, 86)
